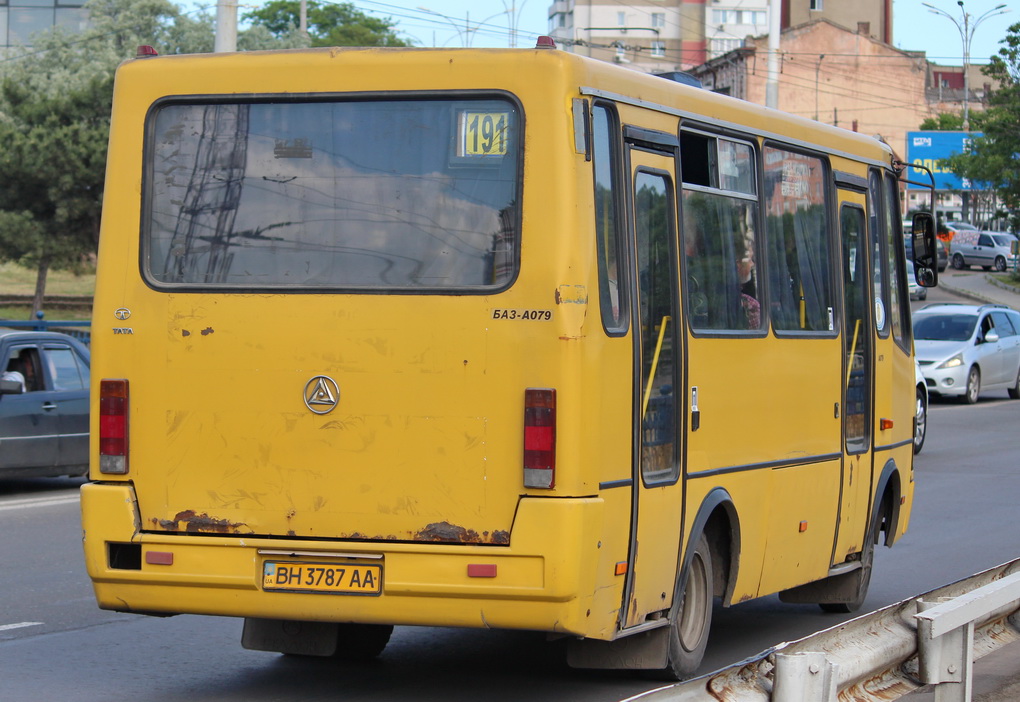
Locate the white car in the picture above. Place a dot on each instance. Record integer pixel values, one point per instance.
(964, 350)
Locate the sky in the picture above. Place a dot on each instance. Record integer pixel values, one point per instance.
(486, 23)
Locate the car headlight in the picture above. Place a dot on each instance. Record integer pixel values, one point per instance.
(953, 362)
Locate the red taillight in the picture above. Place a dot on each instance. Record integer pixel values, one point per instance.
(113, 426)
(539, 438)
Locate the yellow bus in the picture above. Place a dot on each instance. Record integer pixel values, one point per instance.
(488, 338)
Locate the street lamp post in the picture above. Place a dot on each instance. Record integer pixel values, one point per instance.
(465, 34)
(967, 30)
(513, 13)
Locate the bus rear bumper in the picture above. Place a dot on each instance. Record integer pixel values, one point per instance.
(535, 583)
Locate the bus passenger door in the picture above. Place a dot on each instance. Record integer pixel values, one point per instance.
(858, 376)
(657, 507)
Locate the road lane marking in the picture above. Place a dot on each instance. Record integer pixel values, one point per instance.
(38, 502)
(19, 625)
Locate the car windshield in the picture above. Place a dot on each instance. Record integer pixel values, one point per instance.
(1002, 239)
(963, 226)
(944, 327)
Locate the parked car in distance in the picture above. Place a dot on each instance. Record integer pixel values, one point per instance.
(964, 350)
(921, 409)
(986, 249)
(44, 404)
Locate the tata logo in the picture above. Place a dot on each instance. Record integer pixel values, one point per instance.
(322, 394)
(122, 313)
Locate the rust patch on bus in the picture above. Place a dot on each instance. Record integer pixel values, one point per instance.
(451, 533)
(198, 523)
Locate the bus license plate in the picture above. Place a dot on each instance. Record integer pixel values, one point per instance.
(331, 578)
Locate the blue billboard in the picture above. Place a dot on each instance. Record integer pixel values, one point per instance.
(929, 148)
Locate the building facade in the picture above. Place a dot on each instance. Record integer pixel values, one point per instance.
(21, 19)
(831, 74)
(659, 36)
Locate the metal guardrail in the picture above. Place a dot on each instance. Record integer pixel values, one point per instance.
(932, 639)
(80, 330)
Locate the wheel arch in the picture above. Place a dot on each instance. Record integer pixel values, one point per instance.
(885, 514)
(717, 518)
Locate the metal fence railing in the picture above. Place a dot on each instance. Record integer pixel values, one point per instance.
(932, 639)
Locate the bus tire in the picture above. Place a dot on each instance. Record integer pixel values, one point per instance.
(862, 576)
(863, 582)
(690, 624)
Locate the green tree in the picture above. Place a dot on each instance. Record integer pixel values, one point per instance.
(329, 24)
(994, 158)
(55, 100)
(949, 122)
(51, 173)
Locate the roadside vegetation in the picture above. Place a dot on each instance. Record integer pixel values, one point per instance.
(55, 99)
(17, 286)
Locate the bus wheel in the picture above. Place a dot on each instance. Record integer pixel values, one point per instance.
(688, 632)
(863, 583)
(361, 642)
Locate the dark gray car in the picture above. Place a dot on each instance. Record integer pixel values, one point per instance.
(44, 404)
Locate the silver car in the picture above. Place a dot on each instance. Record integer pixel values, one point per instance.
(966, 349)
(986, 249)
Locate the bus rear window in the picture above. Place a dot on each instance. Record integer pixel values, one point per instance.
(373, 195)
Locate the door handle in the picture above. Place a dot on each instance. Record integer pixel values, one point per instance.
(49, 406)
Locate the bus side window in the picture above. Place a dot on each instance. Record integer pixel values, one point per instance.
(612, 291)
(796, 227)
(720, 214)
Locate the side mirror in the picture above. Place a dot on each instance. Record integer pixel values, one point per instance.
(991, 336)
(10, 387)
(925, 252)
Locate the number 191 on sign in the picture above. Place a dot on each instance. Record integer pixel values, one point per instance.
(484, 133)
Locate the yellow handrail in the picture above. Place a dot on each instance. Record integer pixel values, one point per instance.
(853, 350)
(655, 365)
